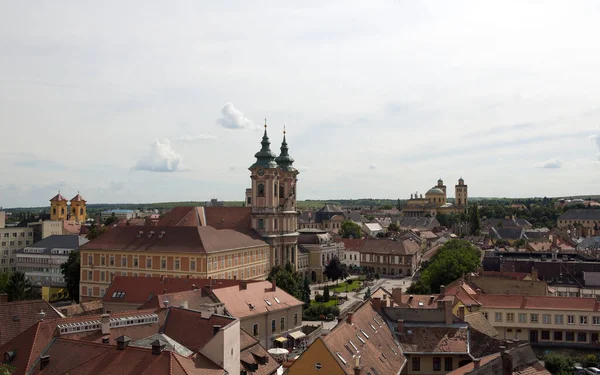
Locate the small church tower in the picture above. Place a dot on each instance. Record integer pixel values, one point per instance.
(58, 207)
(78, 209)
(461, 195)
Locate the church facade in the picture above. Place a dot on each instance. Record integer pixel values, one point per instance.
(272, 198)
(436, 201)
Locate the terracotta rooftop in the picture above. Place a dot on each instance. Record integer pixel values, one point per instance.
(58, 197)
(479, 322)
(466, 369)
(257, 298)
(183, 216)
(78, 198)
(180, 322)
(17, 317)
(434, 338)
(511, 301)
(194, 299)
(139, 290)
(180, 239)
(352, 243)
(84, 308)
(386, 246)
(250, 351)
(368, 333)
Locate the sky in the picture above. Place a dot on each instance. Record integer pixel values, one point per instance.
(148, 101)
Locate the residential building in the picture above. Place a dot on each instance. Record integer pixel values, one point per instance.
(170, 251)
(321, 248)
(587, 219)
(362, 343)
(390, 256)
(328, 218)
(372, 229)
(350, 256)
(406, 223)
(506, 222)
(18, 316)
(272, 199)
(46, 228)
(41, 261)
(11, 240)
(435, 201)
(118, 213)
(266, 312)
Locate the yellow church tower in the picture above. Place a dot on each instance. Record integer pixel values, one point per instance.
(58, 207)
(78, 209)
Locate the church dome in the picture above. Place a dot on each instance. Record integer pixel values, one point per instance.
(435, 191)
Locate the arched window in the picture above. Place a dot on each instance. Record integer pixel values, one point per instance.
(62, 211)
(261, 190)
(275, 189)
(282, 324)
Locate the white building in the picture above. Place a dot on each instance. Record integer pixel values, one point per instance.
(372, 229)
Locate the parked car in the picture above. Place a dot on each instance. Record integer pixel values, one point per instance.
(593, 370)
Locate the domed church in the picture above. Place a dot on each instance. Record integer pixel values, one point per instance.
(435, 201)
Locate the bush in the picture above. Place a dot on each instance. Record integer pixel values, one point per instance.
(320, 312)
(558, 363)
(349, 281)
(326, 296)
(319, 298)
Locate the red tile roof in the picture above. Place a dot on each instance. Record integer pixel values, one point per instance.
(379, 351)
(58, 197)
(471, 366)
(194, 299)
(429, 338)
(77, 198)
(180, 322)
(72, 227)
(16, 317)
(236, 218)
(250, 349)
(352, 243)
(511, 301)
(252, 300)
(139, 290)
(386, 246)
(183, 216)
(172, 239)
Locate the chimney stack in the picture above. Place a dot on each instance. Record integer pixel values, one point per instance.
(123, 342)
(216, 329)
(41, 315)
(157, 347)
(357, 369)
(349, 317)
(397, 295)
(44, 361)
(448, 312)
(243, 285)
(105, 324)
(273, 285)
(400, 327)
(184, 304)
(3, 298)
(476, 363)
(442, 289)
(461, 313)
(534, 274)
(376, 304)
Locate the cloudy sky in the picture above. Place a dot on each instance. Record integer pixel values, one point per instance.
(141, 101)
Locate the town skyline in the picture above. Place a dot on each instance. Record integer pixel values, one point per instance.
(378, 99)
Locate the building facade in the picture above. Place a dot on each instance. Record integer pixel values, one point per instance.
(11, 240)
(171, 251)
(272, 198)
(321, 249)
(588, 220)
(390, 257)
(435, 201)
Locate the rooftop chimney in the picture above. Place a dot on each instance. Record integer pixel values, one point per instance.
(534, 274)
(166, 303)
(376, 304)
(273, 285)
(349, 317)
(105, 324)
(3, 298)
(357, 369)
(243, 285)
(216, 329)
(400, 326)
(106, 339)
(397, 295)
(476, 363)
(44, 361)
(158, 346)
(41, 315)
(123, 342)
(461, 313)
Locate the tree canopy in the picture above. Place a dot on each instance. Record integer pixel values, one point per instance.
(289, 280)
(335, 270)
(474, 219)
(455, 258)
(19, 287)
(71, 271)
(350, 229)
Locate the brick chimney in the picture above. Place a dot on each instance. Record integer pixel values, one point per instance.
(273, 285)
(376, 304)
(461, 313)
(448, 312)
(357, 369)
(400, 326)
(105, 324)
(507, 363)
(243, 285)
(397, 295)
(349, 317)
(442, 289)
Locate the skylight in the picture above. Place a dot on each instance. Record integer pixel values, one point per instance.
(268, 302)
(393, 350)
(420, 303)
(276, 299)
(364, 333)
(341, 358)
(354, 346)
(373, 327)
(360, 338)
(377, 321)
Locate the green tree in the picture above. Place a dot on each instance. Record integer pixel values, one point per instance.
(288, 279)
(306, 291)
(398, 205)
(455, 258)
(6, 369)
(558, 364)
(367, 293)
(71, 271)
(393, 227)
(326, 296)
(350, 229)
(111, 219)
(474, 220)
(520, 243)
(335, 270)
(19, 287)
(4, 278)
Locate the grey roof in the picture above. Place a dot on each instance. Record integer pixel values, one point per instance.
(418, 222)
(302, 249)
(58, 241)
(590, 242)
(170, 344)
(331, 208)
(581, 214)
(355, 216)
(507, 233)
(306, 216)
(504, 222)
(537, 233)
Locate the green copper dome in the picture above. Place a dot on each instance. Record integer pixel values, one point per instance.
(434, 190)
(284, 160)
(265, 158)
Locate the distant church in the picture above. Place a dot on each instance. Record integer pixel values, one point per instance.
(435, 201)
(60, 211)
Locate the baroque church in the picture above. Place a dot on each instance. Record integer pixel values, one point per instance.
(435, 201)
(272, 199)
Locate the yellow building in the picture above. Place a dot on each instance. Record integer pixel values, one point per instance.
(58, 207)
(435, 201)
(78, 209)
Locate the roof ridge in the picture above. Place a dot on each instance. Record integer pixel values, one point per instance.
(37, 325)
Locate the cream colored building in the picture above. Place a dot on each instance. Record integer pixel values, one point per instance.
(11, 240)
(321, 248)
(435, 201)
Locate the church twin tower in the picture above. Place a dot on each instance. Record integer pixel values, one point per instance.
(60, 211)
(272, 198)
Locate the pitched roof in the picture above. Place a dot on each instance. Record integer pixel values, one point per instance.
(194, 299)
(330, 208)
(479, 322)
(434, 338)
(139, 290)
(466, 369)
(387, 246)
(235, 218)
(77, 198)
(507, 233)
(84, 308)
(373, 226)
(57, 241)
(369, 334)
(183, 216)
(16, 317)
(512, 301)
(58, 197)
(250, 351)
(180, 322)
(179, 239)
(352, 244)
(581, 214)
(253, 299)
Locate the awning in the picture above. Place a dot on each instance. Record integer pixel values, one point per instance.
(297, 335)
(281, 339)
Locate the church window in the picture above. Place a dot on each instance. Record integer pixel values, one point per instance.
(62, 211)
(54, 211)
(261, 224)
(281, 191)
(261, 190)
(80, 211)
(275, 224)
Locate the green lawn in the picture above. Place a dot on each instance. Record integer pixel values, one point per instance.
(332, 302)
(341, 288)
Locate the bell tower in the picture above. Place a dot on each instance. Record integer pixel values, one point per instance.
(58, 207)
(461, 195)
(272, 199)
(78, 208)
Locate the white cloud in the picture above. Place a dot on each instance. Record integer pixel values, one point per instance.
(161, 158)
(201, 137)
(596, 137)
(372, 166)
(302, 168)
(233, 118)
(551, 164)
